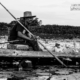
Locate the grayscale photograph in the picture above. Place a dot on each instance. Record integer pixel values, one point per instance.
(39, 39)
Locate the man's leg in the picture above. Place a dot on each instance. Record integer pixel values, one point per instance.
(33, 44)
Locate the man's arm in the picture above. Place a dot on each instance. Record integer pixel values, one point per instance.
(20, 34)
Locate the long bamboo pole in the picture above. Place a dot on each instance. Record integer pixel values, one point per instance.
(32, 34)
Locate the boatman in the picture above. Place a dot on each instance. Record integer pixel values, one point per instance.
(24, 37)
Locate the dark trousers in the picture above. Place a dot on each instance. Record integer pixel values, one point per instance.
(33, 44)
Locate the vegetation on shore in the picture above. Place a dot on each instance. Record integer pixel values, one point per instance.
(47, 31)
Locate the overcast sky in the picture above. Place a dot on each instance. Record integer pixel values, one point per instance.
(49, 11)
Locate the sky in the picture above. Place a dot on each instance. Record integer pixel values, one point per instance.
(60, 12)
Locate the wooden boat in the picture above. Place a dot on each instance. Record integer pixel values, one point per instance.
(38, 54)
(20, 53)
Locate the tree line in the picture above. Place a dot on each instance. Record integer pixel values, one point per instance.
(57, 31)
(46, 31)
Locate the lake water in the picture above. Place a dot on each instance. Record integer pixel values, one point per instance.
(54, 45)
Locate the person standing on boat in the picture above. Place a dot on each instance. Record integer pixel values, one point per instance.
(19, 33)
